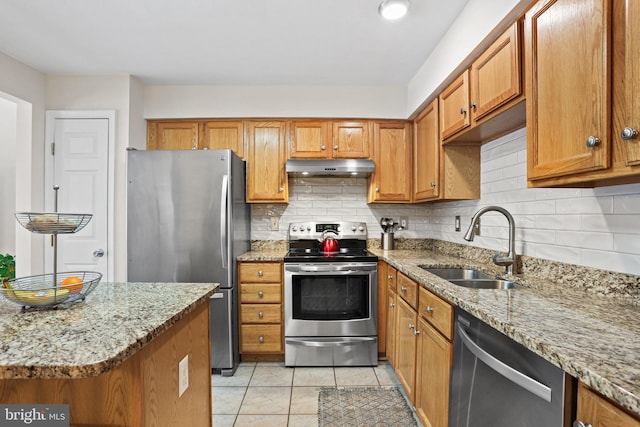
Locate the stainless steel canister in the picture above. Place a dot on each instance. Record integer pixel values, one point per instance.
(387, 241)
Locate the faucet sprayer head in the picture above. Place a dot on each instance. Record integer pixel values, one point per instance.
(469, 235)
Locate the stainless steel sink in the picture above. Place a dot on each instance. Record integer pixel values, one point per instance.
(459, 273)
(470, 278)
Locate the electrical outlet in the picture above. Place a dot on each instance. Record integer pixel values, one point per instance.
(183, 375)
(457, 222)
(404, 222)
(275, 223)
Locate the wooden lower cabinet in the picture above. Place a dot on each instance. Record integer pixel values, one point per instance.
(595, 410)
(434, 356)
(405, 366)
(260, 311)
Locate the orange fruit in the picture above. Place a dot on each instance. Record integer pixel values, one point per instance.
(72, 283)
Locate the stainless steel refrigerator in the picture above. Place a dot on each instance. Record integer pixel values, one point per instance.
(187, 221)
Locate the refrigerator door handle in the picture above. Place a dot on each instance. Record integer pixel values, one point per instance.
(223, 220)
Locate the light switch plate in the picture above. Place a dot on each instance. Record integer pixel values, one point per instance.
(183, 375)
(457, 222)
(275, 223)
(404, 222)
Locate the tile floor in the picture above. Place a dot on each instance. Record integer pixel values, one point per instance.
(270, 394)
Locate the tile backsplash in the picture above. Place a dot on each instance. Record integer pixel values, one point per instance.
(597, 227)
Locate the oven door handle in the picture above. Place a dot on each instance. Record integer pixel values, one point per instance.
(330, 268)
(319, 342)
(517, 377)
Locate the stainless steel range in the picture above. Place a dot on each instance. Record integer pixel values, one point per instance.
(330, 296)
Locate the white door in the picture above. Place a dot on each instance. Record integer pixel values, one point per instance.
(80, 167)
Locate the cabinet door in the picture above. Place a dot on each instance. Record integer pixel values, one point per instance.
(433, 361)
(406, 347)
(567, 87)
(454, 106)
(222, 135)
(172, 135)
(351, 140)
(632, 82)
(391, 180)
(266, 176)
(594, 410)
(426, 154)
(391, 322)
(310, 140)
(495, 75)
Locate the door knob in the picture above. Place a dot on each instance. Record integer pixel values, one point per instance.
(98, 253)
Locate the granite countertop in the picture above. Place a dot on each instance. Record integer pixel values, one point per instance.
(89, 338)
(590, 336)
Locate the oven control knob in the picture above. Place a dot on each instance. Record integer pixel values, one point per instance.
(361, 228)
(353, 228)
(294, 228)
(308, 228)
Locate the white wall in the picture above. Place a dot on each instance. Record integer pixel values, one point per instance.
(119, 93)
(25, 87)
(274, 101)
(593, 227)
(8, 129)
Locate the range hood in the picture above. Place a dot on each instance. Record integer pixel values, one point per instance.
(349, 167)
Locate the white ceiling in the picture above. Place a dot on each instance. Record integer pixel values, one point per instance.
(225, 42)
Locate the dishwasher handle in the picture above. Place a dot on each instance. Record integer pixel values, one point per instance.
(515, 376)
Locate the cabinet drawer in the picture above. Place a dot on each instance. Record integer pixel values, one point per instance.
(260, 339)
(407, 289)
(260, 272)
(260, 292)
(260, 313)
(437, 312)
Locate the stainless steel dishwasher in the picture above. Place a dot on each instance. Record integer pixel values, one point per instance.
(496, 382)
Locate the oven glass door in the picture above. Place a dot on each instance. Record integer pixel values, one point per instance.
(330, 297)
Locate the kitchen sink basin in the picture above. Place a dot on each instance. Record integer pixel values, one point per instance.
(459, 273)
(470, 278)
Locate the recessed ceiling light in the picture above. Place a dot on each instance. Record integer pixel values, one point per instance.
(393, 9)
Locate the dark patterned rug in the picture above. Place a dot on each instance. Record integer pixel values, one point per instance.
(363, 406)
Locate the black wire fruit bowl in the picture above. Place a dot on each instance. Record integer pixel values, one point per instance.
(40, 291)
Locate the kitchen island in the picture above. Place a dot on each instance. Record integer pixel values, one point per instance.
(113, 358)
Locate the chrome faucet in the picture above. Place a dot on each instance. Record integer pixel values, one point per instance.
(509, 261)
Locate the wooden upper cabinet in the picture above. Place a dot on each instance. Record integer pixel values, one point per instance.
(172, 135)
(568, 50)
(310, 139)
(222, 135)
(391, 179)
(426, 154)
(351, 140)
(596, 411)
(631, 88)
(266, 176)
(495, 75)
(454, 106)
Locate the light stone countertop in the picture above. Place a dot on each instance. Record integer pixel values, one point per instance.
(89, 338)
(592, 337)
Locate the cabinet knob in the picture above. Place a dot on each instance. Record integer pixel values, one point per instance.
(195, 147)
(281, 189)
(411, 326)
(463, 111)
(578, 423)
(433, 184)
(392, 305)
(428, 309)
(473, 105)
(260, 273)
(403, 289)
(260, 315)
(260, 338)
(416, 332)
(389, 277)
(335, 147)
(629, 133)
(377, 189)
(260, 294)
(593, 141)
(323, 147)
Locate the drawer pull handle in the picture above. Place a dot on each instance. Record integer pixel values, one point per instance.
(260, 294)
(403, 288)
(428, 309)
(260, 315)
(260, 338)
(260, 273)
